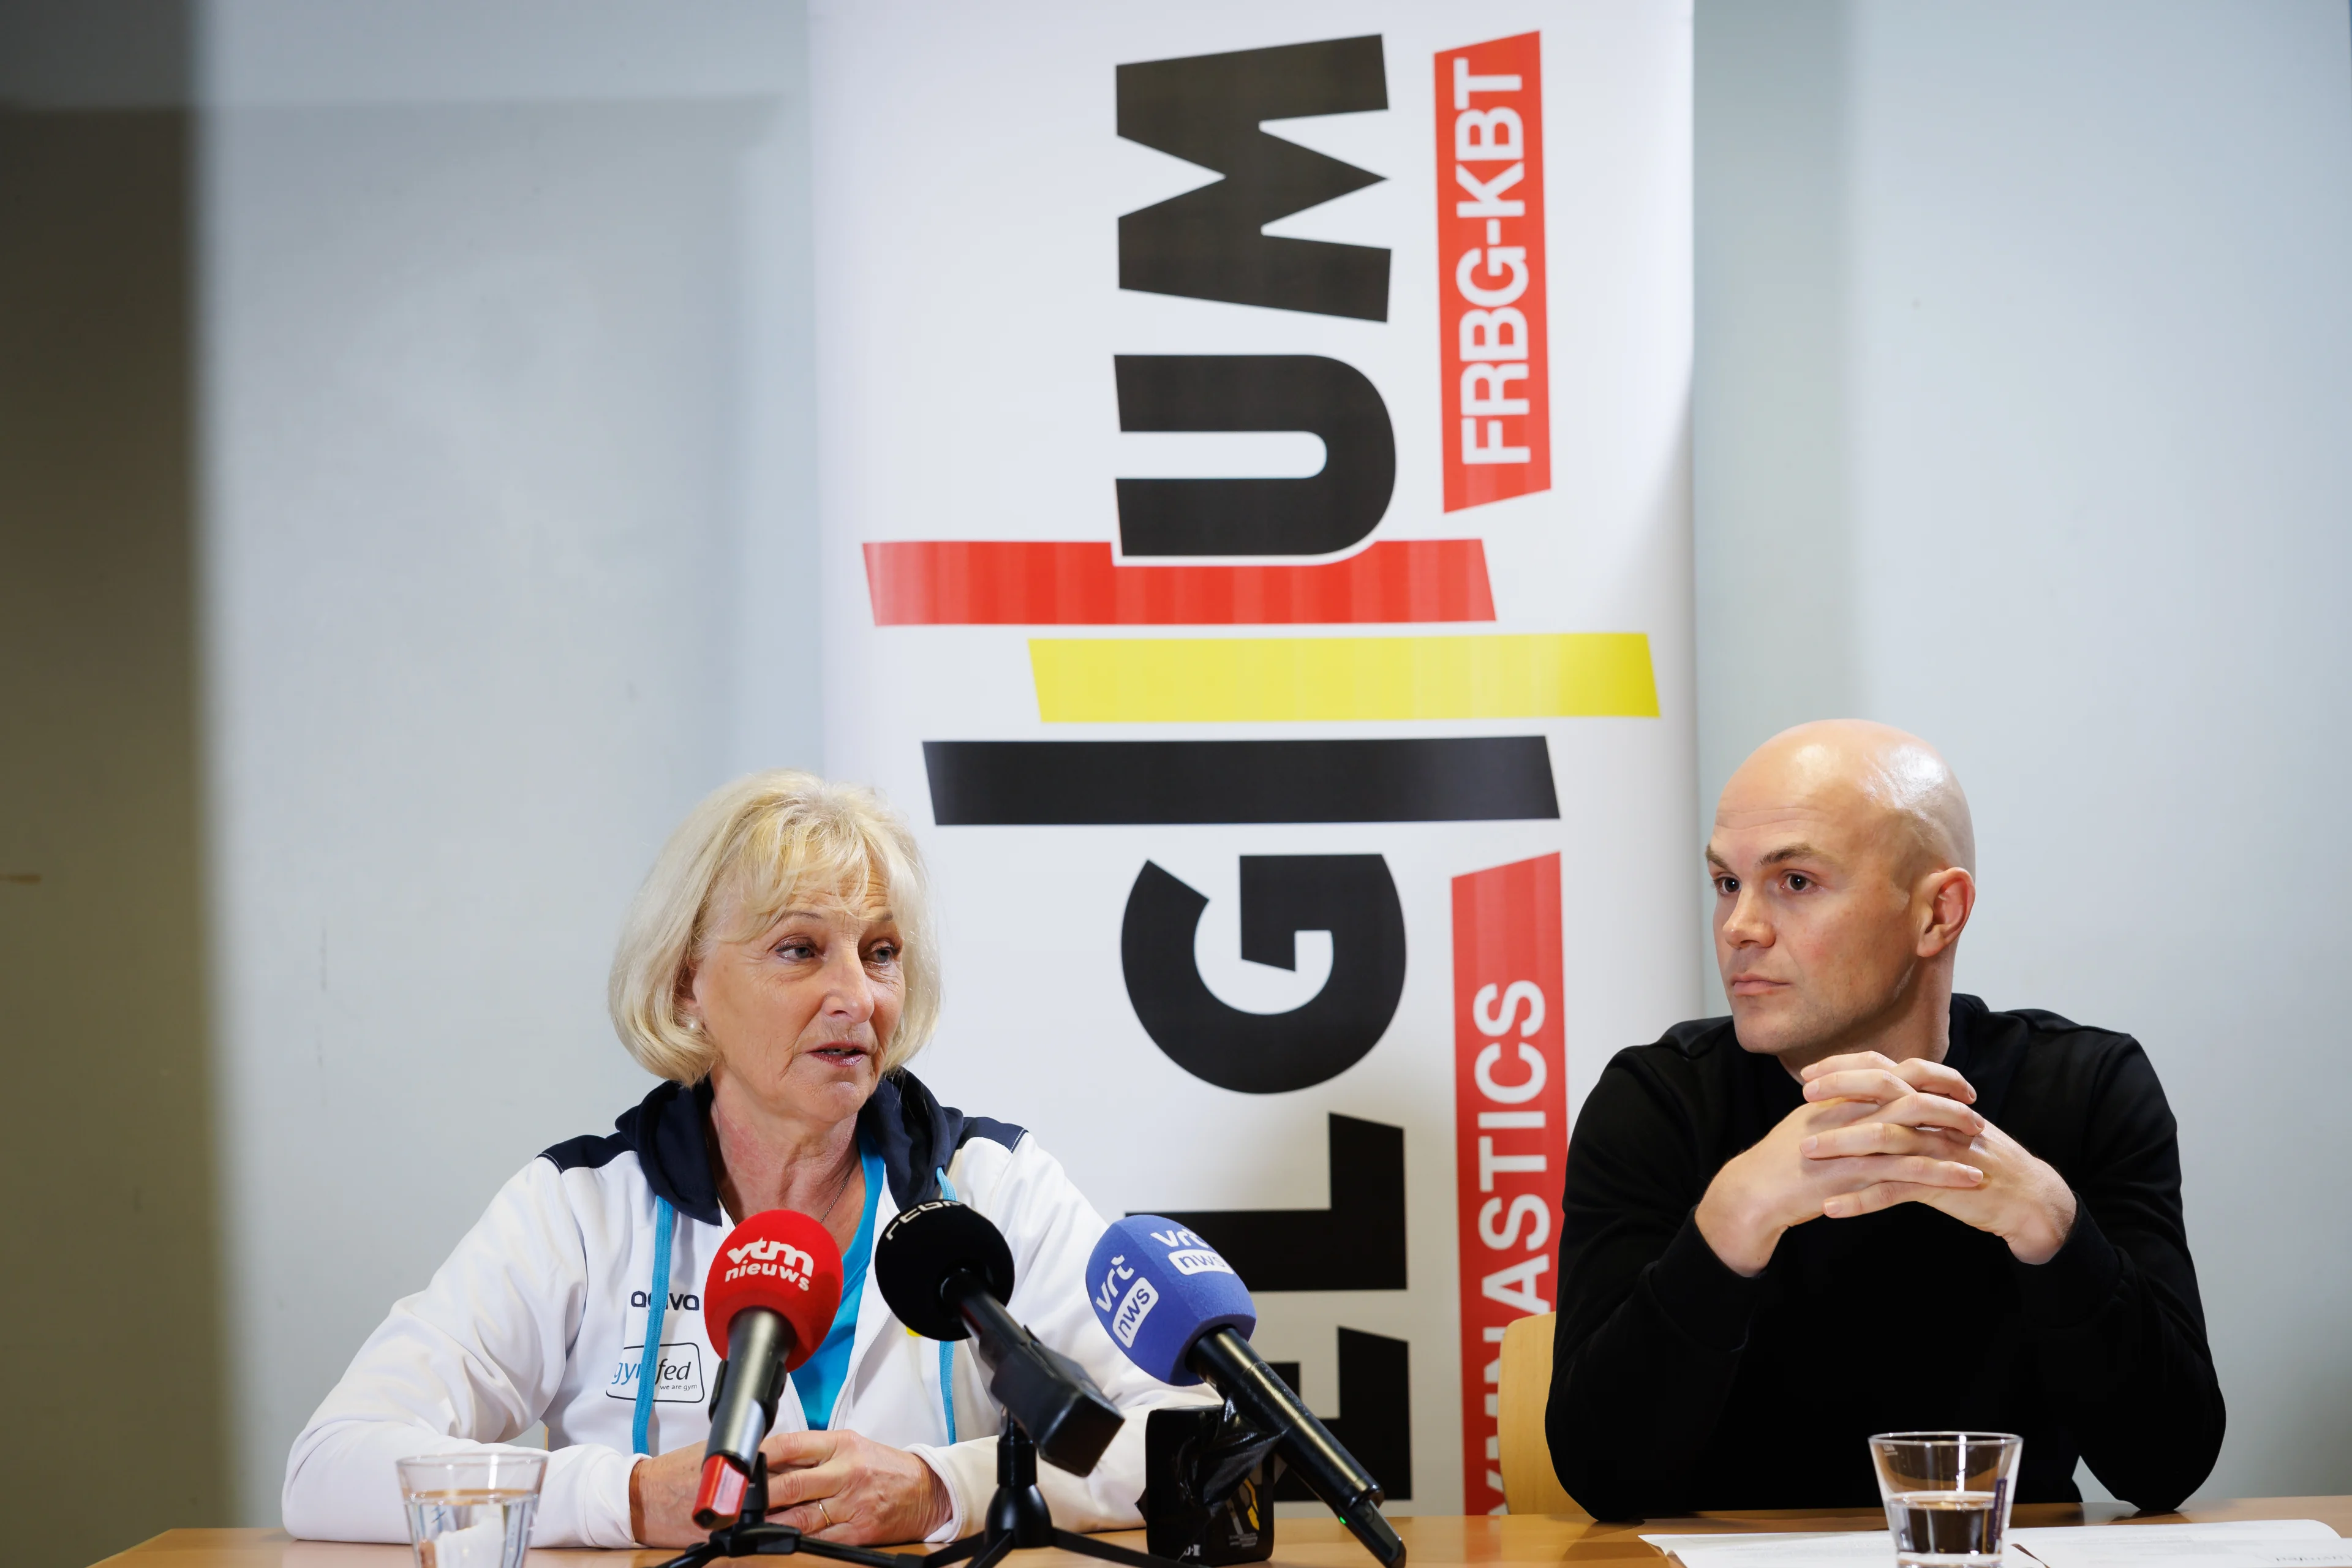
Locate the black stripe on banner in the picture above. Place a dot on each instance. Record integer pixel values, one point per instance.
(1036, 783)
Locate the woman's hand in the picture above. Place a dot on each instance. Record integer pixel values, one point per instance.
(661, 1497)
(836, 1485)
(840, 1486)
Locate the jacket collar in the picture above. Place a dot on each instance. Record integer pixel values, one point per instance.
(666, 1129)
(916, 1135)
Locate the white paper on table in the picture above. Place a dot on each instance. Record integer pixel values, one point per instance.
(2248, 1543)
(1797, 1549)
(2241, 1543)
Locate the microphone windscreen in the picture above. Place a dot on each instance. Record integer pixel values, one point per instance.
(1158, 1288)
(780, 1260)
(925, 1247)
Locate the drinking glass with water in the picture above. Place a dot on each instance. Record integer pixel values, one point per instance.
(471, 1510)
(1947, 1495)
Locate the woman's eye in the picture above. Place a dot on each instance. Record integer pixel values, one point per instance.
(886, 953)
(795, 950)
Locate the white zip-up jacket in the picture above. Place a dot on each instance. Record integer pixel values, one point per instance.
(539, 1315)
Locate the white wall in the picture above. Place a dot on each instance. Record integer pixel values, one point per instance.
(504, 327)
(2025, 422)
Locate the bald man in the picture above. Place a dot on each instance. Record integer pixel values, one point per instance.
(1863, 1203)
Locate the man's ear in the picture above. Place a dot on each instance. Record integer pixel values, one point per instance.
(1949, 896)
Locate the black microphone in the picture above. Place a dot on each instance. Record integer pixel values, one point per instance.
(946, 1271)
(1181, 1313)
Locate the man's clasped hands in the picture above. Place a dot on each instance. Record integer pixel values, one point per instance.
(1874, 1132)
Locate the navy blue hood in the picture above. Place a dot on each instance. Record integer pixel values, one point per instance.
(916, 1135)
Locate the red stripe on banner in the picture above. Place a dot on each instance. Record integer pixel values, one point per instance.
(1493, 370)
(996, 582)
(1511, 1120)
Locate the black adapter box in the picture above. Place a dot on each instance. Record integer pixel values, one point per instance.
(1208, 1486)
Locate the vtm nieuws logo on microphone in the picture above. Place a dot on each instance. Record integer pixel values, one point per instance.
(782, 1259)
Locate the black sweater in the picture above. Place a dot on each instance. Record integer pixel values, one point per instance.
(1677, 1384)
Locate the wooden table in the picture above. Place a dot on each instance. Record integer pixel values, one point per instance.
(1435, 1541)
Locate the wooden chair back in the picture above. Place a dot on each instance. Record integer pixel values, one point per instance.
(1529, 1484)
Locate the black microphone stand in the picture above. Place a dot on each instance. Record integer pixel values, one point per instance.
(1018, 1518)
(752, 1536)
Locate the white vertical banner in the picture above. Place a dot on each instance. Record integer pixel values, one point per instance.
(1253, 469)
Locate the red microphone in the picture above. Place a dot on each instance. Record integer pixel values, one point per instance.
(769, 1298)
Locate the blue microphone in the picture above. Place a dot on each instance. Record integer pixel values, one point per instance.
(1159, 1287)
(1181, 1314)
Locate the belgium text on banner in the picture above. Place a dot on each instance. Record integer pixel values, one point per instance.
(1495, 369)
(1204, 756)
(1510, 1133)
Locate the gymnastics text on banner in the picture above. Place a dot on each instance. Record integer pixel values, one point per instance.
(1510, 1138)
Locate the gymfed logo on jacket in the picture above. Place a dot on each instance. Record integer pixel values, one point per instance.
(780, 1258)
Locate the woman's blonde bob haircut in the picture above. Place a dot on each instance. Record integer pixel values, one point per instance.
(767, 843)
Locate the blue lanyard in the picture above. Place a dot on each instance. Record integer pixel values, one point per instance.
(822, 1377)
(656, 1300)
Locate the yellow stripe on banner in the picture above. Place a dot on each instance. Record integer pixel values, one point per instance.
(1570, 675)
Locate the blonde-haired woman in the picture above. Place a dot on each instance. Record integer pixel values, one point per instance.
(777, 970)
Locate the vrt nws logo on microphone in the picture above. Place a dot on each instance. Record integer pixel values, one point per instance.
(1187, 1254)
(781, 1259)
(1127, 1320)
